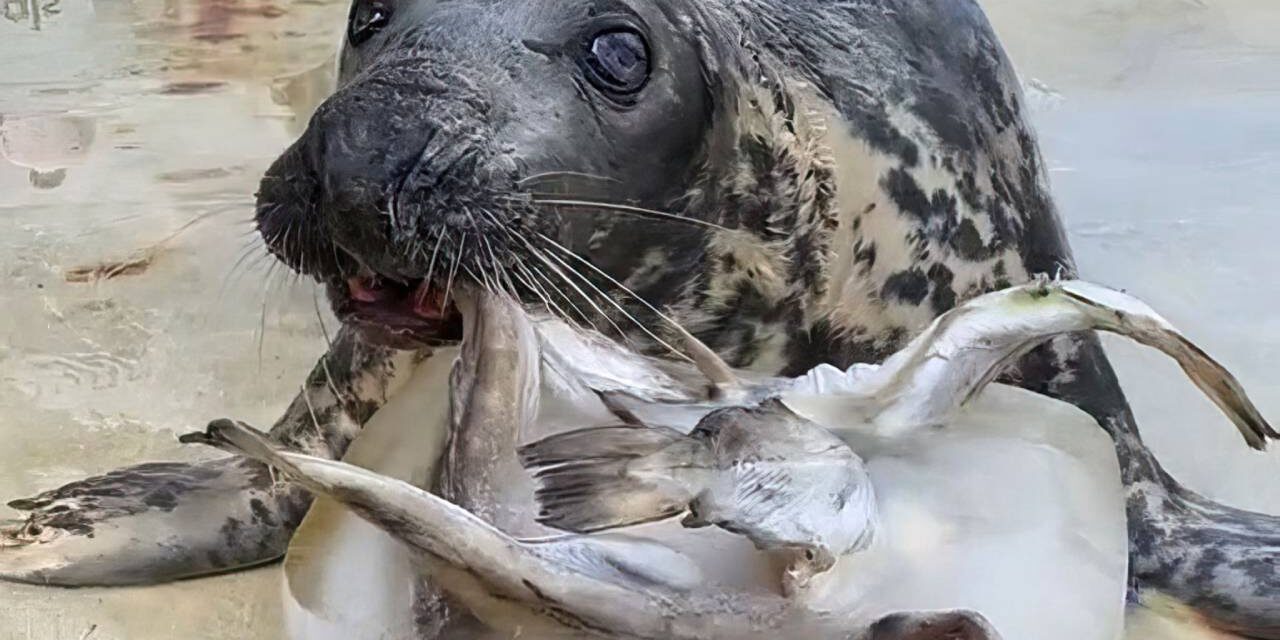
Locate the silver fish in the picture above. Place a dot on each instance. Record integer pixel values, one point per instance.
(781, 480)
(637, 586)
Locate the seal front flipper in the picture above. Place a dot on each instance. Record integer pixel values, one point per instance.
(167, 521)
(152, 522)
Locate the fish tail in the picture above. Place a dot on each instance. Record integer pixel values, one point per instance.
(604, 478)
(1119, 313)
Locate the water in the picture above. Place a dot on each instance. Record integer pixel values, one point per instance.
(125, 121)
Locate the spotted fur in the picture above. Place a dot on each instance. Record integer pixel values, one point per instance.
(911, 194)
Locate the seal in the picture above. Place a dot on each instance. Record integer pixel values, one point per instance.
(795, 182)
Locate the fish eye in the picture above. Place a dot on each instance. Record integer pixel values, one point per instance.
(367, 18)
(617, 61)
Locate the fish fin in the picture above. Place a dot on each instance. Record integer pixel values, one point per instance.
(760, 490)
(585, 479)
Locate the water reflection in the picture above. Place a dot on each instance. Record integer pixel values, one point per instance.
(34, 11)
(136, 302)
(47, 145)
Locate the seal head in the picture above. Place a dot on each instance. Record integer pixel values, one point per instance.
(455, 121)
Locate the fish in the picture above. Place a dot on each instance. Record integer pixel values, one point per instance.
(762, 471)
(986, 506)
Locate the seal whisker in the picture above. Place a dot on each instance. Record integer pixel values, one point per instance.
(435, 253)
(547, 260)
(699, 352)
(498, 266)
(622, 310)
(277, 281)
(249, 250)
(543, 273)
(324, 330)
(500, 272)
(534, 272)
(453, 271)
(262, 315)
(551, 307)
(483, 282)
(548, 175)
(628, 209)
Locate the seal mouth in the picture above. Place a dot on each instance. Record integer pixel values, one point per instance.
(396, 313)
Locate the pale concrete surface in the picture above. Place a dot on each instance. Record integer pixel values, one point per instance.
(159, 113)
(138, 116)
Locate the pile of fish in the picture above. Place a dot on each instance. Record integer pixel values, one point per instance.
(582, 490)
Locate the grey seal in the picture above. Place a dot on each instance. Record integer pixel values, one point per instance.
(794, 181)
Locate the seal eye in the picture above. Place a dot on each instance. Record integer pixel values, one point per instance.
(617, 61)
(368, 17)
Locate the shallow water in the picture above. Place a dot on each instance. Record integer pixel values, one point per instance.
(125, 121)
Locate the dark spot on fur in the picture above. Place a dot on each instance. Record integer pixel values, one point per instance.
(906, 193)
(943, 296)
(910, 287)
(231, 532)
(865, 253)
(967, 242)
(870, 123)
(261, 514)
(214, 559)
(1001, 274)
(161, 499)
(967, 186)
(946, 116)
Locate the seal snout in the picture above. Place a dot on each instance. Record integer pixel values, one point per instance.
(393, 196)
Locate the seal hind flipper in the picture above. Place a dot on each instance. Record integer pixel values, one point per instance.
(166, 521)
(1219, 561)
